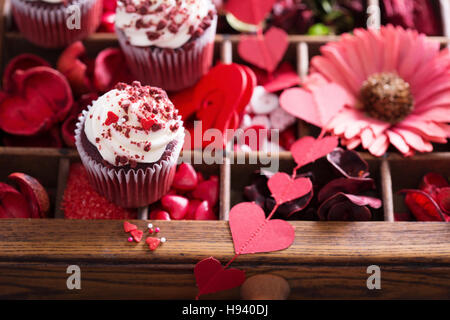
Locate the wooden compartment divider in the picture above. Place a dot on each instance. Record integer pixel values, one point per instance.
(326, 260)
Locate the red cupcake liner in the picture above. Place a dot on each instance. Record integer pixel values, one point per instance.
(132, 189)
(171, 69)
(45, 24)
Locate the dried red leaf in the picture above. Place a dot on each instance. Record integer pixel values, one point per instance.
(35, 194)
(42, 98)
(443, 200)
(106, 70)
(432, 182)
(74, 65)
(422, 206)
(22, 62)
(12, 203)
(349, 163)
(345, 185)
(348, 207)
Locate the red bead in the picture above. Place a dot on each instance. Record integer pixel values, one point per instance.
(150, 230)
(157, 229)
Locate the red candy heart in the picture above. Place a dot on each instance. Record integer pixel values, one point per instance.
(285, 189)
(185, 177)
(176, 205)
(129, 226)
(212, 277)
(159, 215)
(308, 149)
(153, 243)
(204, 212)
(250, 11)
(252, 233)
(264, 51)
(208, 190)
(42, 98)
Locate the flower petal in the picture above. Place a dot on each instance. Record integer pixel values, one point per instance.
(379, 146)
(398, 141)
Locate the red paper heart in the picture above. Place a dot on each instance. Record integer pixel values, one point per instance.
(212, 277)
(250, 11)
(285, 189)
(266, 51)
(282, 78)
(308, 149)
(317, 106)
(253, 233)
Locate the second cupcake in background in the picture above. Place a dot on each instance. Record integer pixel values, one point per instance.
(167, 43)
(56, 23)
(129, 140)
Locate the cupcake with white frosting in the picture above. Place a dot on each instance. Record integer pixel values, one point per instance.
(167, 43)
(56, 23)
(129, 140)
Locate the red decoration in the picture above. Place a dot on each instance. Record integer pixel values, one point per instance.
(35, 194)
(285, 189)
(129, 226)
(264, 51)
(316, 106)
(212, 277)
(253, 233)
(42, 98)
(250, 11)
(112, 118)
(137, 235)
(282, 78)
(110, 68)
(21, 62)
(308, 149)
(153, 243)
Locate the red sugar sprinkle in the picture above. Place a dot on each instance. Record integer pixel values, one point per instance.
(112, 118)
(81, 201)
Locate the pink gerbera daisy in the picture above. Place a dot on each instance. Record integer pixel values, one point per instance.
(377, 88)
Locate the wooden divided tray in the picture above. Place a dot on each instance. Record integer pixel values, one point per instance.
(326, 260)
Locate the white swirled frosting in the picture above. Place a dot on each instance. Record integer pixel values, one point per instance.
(163, 23)
(133, 124)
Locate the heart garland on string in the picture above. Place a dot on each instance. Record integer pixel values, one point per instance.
(264, 51)
(308, 149)
(253, 233)
(250, 11)
(212, 277)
